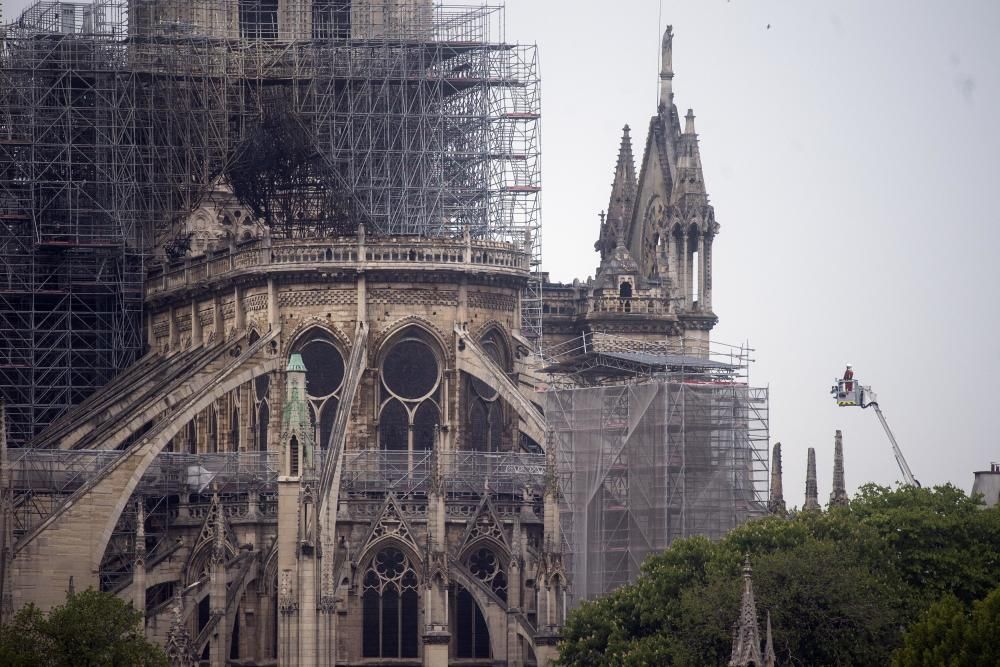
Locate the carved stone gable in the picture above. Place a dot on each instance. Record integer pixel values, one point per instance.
(486, 524)
(390, 523)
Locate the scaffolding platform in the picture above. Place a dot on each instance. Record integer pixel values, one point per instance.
(671, 445)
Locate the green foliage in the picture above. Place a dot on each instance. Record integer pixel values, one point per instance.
(947, 634)
(92, 629)
(840, 584)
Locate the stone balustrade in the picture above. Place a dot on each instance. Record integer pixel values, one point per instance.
(635, 305)
(398, 253)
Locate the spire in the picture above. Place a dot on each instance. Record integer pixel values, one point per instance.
(623, 192)
(838, 497)
(776, 504)
(769, 657)
(690, 181)
(812, 491)
(667, 68)
(746, 639)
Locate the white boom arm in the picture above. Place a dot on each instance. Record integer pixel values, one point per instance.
(896, 451)
(850, 393)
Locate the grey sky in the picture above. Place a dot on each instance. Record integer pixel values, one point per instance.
(853, 157)
(852, 154)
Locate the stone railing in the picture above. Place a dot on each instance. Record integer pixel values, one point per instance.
(634, 305)
(398, 253)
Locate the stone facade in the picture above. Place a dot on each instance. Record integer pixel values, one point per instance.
(364, 474)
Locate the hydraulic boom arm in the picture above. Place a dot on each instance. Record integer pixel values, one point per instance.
(896, 451)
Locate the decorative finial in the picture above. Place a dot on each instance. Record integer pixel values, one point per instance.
(689, 122)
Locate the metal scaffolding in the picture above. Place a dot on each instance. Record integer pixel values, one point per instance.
(119, 117)
(676, 451)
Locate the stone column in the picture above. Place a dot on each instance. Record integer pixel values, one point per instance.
(701, 271)
(273, 309)
(685, 271)
(197, 335)
(219, 644)
(139, 564)
(707, 289)
(239, 311)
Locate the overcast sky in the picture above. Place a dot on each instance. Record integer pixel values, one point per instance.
(852, 153)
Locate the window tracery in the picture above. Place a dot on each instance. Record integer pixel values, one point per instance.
(389, 606)
(484, 411)
(324, 379)
(487, 567)
(410, 387)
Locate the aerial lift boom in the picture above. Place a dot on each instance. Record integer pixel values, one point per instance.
(850, 393)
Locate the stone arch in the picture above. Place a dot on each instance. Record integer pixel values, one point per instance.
(385, 339)
(493, 609)
(199, 556)
(303, 328)
(377, 545)
(123, 475)
(492, 327)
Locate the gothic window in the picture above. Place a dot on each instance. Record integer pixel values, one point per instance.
(213, 431)
(259, 19)
(324, 379)
(389, 607)
(411, 384)
(192, 436)
(331, 19)
(262, 411)
(485, 566)
(484, 410)
(234, 426)
(472, 635)
(293, 456)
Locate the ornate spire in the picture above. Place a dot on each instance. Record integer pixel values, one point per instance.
(622, 203)
(776, 504)
(690, 182)
(769, 657)
(178, 648)
(746, 638)
(838, 497)
(812, 491)
(295, 422)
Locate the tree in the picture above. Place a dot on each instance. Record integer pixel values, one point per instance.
(840, 584)
(947, 634)
(92, 629)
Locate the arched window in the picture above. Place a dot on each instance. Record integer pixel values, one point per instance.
(411, 384)
(389, 607)
(484, 415)
(472, 635)
(324, 379)
(192, 436)
(488, 568)
(213, 431)
(261, 411)
(234, 426)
